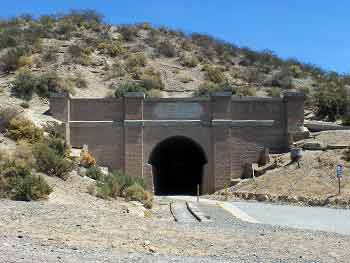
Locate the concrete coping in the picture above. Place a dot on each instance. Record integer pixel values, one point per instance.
(255, 99)
(135, 95)
(169, 123)
(243, 123)
(221, 94)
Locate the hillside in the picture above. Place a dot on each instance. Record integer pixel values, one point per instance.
(80, 53)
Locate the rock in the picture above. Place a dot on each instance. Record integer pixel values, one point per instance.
(151, 249)
(82, 171)
(313, 146)
(317, 126)
(104, 170)
(293, 199)
(261, 197)
(337, 146)
(235, 182)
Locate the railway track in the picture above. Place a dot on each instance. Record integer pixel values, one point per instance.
(186, 212)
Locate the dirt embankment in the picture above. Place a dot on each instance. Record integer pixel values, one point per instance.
(314, 183)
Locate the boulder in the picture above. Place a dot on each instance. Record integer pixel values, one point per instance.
(313, 146)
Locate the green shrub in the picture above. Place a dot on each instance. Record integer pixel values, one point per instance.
(49, 54)
(154, 93)
(24, 129)
(129, 33)
(49, 162)
(128, 86)
(58, 145)
(117, 184)
(214, 74)
(80, 54)
(49, 83)
(6, 115)
(166, 48)
(151, 79)
(296, 71)
(190, 61)
(29, 187)
(136, 192)
(108, 187)
(94, 172)
(274, 92)
(17, 182)
(207, 87)
(117, 70)
(24, 84)
(111, 48)
(282, 79)
(135, 60)
(247, 91)
(10, 61)
(331, 101)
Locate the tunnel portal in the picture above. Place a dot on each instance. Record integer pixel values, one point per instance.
(177, 164)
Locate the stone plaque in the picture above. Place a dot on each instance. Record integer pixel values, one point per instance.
(178, 110)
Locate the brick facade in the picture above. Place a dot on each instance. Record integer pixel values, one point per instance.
(231, 131)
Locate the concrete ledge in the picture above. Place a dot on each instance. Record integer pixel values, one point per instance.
(171, 123)
(316, 126)
(243, 123)
(90, 124)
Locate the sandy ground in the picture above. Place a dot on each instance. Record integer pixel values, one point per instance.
(73, 226)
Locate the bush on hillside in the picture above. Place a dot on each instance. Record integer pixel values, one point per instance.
(274, 92)
(26, 84)
(49, 162)
(10, 61)
(6, 115)
(151, 79)
(94, 172)
(23, 129)
(189, 61)
(135, 60)
(117, 70)
(117, 184)
(154, 93)
(18, 183)
(128, 32)
(331, 101)
(79, 54)
(167, 49)
(50, 54)
(214, 74)
(128, 86)
(282, 79)
(208, 87)
(111, 48)
(247, 91)
(136, 192)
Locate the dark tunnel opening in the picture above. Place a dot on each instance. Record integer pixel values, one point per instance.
(177, 165)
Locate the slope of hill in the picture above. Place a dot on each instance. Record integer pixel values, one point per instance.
(80, 53)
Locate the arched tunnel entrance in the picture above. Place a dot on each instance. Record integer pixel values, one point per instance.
(177, 164)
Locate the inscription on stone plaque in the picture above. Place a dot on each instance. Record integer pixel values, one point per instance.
(178, 110)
